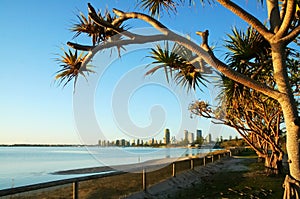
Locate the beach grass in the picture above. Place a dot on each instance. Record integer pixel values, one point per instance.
(254, 183)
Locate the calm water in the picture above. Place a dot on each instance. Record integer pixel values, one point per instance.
(29, 165)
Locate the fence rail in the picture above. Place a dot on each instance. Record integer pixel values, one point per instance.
(210, 158)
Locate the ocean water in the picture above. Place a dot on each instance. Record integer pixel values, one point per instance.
(30, 165)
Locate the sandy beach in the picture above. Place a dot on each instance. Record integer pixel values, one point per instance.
(225, 177)
(150, 165)
(160, 181)
(189, 178)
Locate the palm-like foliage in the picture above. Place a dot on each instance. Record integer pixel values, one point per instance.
(248, 54)
(156, 6)
(71, 67)
(87, 26)
(245, 48)
(99, 27)
(94, 26)
(168, 60)
(189, 77)
(177, 64)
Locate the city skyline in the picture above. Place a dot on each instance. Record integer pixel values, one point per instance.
(188, 136)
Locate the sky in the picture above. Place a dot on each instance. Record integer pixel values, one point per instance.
(117, 102)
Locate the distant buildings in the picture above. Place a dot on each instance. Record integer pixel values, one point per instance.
(208, 139)
(189, 138)
(198, 134)
(167, 137)
(185, 134)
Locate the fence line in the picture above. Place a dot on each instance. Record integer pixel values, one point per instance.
(75, 181)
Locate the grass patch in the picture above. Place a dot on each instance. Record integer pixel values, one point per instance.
(253, 183)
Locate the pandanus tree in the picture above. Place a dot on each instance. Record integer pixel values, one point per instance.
(255, 116)
(283, 29)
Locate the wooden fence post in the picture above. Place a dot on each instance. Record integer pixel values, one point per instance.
(144, 180)
(75, 190)
(174, 169)
(192, 163)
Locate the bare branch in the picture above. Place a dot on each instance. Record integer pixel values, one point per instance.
(80, 47)
(274, 15)
(204, 36)
(250, 19)
(288, 17)
(110, 44)
(291, 36)
(134, 15)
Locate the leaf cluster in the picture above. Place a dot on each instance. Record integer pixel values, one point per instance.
(99, 27)
(70, 62)
(179, 64)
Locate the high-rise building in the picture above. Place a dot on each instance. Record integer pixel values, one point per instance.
(190, 138)
(133, 142)
(173, 140)
(186, 133)
(208, 138)
(167, 136)
(198, 134)
(123, 142)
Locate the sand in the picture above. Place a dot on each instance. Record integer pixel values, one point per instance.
(189, 178)
(160, 183)
(150, 165)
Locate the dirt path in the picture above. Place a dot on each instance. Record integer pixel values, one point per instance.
(169, 187)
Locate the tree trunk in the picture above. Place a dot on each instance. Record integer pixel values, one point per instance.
(291, 188)
(292, 181)
(273, 163)
(292, 122)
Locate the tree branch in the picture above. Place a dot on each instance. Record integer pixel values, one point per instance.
(288, 17)
(291, 36)
(80, 47)
(110, 44)
(134, 15)
(204, 36)
(250, 19)
(209, 58)
(274, 15)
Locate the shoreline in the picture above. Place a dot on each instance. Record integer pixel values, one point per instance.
(130, 182)
(150, 165)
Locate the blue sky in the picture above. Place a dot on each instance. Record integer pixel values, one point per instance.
(35, 110)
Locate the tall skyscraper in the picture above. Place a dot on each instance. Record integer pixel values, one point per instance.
(208, 138)
(190, 138)
(198, 134)
(186, 134)
(167, 136)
